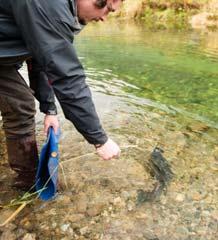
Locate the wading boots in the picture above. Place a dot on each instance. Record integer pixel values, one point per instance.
(23, 159)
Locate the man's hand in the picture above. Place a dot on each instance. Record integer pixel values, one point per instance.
(51, 121)
(109, 150)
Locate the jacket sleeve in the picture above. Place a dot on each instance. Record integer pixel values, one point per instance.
(43, 91)
(45, 27)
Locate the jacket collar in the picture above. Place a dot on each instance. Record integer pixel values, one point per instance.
(73, 8)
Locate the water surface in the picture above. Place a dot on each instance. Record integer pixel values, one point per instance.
(150, 89)
(176, 70)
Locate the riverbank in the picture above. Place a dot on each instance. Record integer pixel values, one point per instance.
(178, 14)
(100, 198)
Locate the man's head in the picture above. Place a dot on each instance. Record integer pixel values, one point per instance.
(96, 10)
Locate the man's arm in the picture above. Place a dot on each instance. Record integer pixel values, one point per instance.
(45, 37)
(44, 94)
(43, 91)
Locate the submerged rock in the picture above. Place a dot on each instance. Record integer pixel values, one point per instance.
(6, 235)
(81, 202)
(180, 197)
(198, 127)
(65, 227)
(95, 209)
(29, 236)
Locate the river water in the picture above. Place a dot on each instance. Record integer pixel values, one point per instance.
(176, 70)
(151, 88)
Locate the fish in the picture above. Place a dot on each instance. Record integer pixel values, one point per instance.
(160, 169)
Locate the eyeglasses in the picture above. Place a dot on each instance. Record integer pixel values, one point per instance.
(104, 3)
(100, 3)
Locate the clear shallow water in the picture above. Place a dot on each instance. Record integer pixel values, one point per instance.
(136, 82)
(141, 82)
(174, 71)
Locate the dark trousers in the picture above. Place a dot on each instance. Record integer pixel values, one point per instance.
(17, 109)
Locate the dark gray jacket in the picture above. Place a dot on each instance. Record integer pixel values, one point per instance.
(44, 30)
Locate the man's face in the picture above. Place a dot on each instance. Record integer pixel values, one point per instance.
(96, 10)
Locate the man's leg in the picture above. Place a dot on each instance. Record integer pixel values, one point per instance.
(17, 108)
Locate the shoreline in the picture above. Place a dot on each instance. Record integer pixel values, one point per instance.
(172, 14)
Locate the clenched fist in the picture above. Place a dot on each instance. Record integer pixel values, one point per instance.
(109, 150)
(51, 121)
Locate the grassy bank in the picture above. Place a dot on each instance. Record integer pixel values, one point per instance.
(168, 14)
(176, 14)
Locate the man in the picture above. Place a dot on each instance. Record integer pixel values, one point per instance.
(41, 32)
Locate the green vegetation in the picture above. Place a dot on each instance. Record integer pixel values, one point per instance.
(173, 14)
